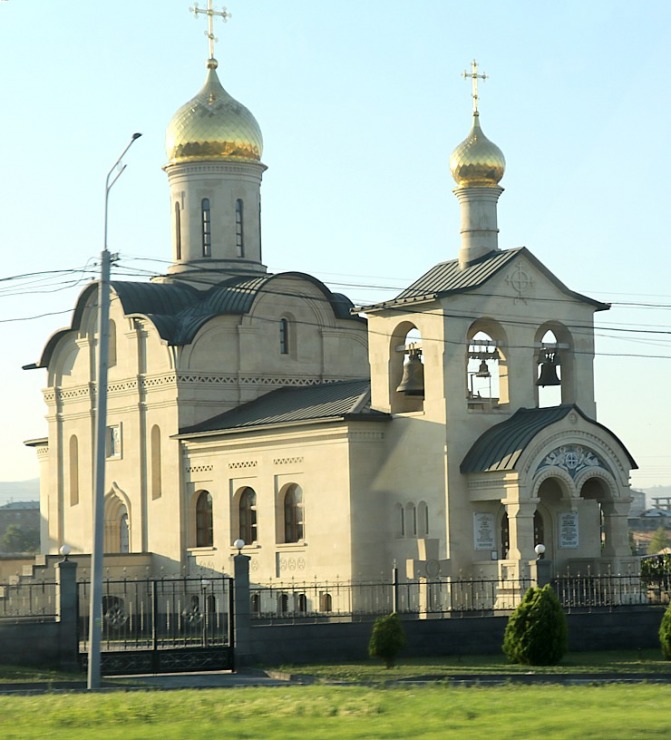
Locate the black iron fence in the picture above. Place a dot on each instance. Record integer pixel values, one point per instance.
(329, 601)
(160, 613)
(586, 592)
(29, 601)
(344, 600)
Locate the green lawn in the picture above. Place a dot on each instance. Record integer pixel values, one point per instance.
(316, 712)
(638, 662)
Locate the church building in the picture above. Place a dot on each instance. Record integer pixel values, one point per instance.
(451, 430)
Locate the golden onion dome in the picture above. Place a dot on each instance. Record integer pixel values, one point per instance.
(477, 162)
(213, 125)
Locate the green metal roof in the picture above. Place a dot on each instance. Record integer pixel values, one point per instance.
(178, 310)
(501, 447)
(447, 278)
(347, 399)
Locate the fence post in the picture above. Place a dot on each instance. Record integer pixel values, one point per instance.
(242, 611)
(66, 590)
(394, 587)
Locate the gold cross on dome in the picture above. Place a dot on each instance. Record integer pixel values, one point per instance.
(473, 74)
(210, 12)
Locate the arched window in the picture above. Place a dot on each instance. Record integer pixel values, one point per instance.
(247, 516)
(111, 344)
(293, 514)
(486, 367)
(256, 603)
(422, 519)
(155, 462)
(505, 536)
(204, 529)
(406, 369)
(410, 520)
(117, 525)
(325, 602)
(539, 529)
(124, 533)
(284, 336)
(206, 227)
(283, 603)
(551, 360)
(302, 603)
(400, 520)
(74, 471)
(239, 229)
(178, 232)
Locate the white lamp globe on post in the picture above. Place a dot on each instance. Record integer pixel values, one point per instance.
(539, 550)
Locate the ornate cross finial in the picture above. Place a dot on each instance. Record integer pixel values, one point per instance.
(473, 74)
(210, 13)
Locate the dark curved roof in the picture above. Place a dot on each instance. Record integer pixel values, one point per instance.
(342, 400)
(448, 278)
(178, 310)
(501, 447)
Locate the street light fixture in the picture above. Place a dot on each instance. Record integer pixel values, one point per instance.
(95, 612)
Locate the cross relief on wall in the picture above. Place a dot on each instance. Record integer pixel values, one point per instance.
(571, 458)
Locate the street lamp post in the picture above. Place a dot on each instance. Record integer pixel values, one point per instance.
(95, 612)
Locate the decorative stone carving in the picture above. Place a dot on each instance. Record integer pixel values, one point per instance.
(571, 458)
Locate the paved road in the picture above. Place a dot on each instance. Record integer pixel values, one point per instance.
(209, 680)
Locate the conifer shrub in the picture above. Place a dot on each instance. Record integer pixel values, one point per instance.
(665, 633)
(536, 633)
(387, 639)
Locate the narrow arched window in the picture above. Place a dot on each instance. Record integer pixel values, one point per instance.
(74, 471)
(283, 603)
(302, 603)
(178, 232)
(539, 528)
(422, 519)
(400, 520)
(155, 462)
(505, 535)
(247, 515)
(325, 602)
(411, 520)
(239, 228)
(204, 530)
(293, 514)
(124, 533)
(284, 336)
(111, 344)
(255, 603)
(206, 227)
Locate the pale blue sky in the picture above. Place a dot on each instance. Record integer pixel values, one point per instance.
(360, 104)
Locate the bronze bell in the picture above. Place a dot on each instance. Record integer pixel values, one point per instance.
(483, 370)
(548, 372)
(412, 382)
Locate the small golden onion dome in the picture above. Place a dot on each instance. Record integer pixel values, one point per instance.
(477, 162)
(213, 126)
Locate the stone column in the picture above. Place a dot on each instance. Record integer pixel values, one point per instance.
(521, 529)
(242, 611)
(616, 529)
(66, 596)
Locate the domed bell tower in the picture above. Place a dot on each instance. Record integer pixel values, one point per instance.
(214, 147)
(477, 166)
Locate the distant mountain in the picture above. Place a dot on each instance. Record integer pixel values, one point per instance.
(21, 490)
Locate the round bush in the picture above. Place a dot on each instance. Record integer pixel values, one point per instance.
(665, 633)
(536, 633)
(387, 639)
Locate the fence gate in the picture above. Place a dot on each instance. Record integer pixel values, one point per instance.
(161, 625)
